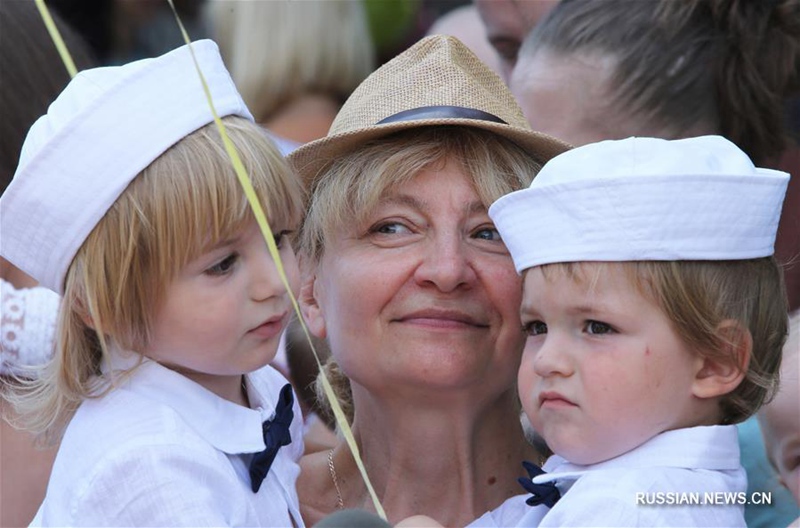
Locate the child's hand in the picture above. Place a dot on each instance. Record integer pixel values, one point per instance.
(418, 521)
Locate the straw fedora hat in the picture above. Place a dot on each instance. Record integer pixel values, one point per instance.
(437, 81)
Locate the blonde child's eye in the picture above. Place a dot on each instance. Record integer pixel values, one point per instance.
(598, 328)
(223, 266)
(535, 328)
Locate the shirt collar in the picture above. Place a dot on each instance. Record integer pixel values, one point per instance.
(229, 427)
(714, 447)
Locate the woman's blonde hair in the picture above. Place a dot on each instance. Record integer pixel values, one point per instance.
(176, 208)
(698, 296)
(351, 188)
(278, 49)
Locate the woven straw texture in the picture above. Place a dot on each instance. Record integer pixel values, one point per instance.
(437, 71)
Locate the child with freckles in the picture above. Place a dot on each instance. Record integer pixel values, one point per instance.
(656, 315)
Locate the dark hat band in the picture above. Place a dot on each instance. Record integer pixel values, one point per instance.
(441, 112)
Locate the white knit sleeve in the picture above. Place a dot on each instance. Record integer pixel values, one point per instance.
(27, 327)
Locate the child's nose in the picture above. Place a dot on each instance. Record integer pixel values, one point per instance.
(552, 358)
(265, 280)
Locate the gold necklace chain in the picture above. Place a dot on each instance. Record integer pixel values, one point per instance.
(339, 501)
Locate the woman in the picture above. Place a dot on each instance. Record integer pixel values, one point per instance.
(408, 280)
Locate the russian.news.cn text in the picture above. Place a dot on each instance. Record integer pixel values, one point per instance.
(717, 498)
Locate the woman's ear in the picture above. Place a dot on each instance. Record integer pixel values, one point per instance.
(723, 372)
(310, 307)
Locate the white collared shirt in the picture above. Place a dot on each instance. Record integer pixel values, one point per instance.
(161, 450)
(684, 465)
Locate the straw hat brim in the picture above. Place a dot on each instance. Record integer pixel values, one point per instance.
(313, 158)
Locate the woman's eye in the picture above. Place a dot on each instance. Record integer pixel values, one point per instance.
(223, 266)
(488, 233)
(598, 328)
(390, 228)
(535, 328)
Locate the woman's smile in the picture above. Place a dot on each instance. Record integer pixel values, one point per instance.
(443, 319)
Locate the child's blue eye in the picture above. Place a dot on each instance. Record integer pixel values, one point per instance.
(535, 328)
(598, 328)
(223, 266)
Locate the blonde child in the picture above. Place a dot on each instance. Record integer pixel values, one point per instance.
(125, 202)
(656, 316)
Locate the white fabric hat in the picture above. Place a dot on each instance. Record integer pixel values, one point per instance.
(644, 199)
(105, 127)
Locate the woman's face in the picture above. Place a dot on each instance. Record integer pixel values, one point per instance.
(423, 293)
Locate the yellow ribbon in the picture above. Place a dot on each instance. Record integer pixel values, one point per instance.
(57, 40)
(266, 231)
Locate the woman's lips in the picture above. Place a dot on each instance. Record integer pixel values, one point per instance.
(446, 319)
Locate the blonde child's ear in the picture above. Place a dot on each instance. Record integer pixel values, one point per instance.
(309, 305)
(721, 373)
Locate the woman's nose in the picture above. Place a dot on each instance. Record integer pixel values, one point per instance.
(446, 264)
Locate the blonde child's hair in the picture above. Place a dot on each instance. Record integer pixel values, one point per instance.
(176, 208)
(278, 49)
(354, 184)
(697, 296)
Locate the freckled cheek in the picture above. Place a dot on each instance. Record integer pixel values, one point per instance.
(607, 384)
(655, 369)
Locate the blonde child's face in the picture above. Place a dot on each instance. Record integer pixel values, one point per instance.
(603, 371)
(224, 312)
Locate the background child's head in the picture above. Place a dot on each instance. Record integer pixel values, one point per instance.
(120, 185)
(780, 418)
(691, 225)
